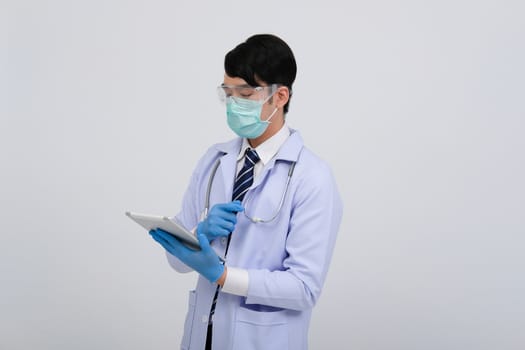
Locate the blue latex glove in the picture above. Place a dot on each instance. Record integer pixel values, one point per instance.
(221, 220)
(204, 261)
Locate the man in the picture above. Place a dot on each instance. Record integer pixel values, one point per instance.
(275, 213)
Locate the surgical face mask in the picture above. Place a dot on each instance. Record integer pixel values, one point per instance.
(244, 116)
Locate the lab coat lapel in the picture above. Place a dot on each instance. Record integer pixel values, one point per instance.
(289, 152)
(228, 166)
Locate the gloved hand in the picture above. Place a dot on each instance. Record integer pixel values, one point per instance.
(221, 220)
(204, 261)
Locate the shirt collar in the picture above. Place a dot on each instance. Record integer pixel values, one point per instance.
(269, 148)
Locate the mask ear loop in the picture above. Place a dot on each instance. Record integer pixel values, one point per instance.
(271, 115)
(274, 90)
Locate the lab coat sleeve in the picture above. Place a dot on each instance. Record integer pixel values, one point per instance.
(315, 218)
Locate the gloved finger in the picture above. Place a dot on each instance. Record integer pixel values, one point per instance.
(215, 222)
(154, 232)
(221, 232)
(159, 239)
(235, 206)
(213, 231)
(238, 202)
(231, 207)
(171, 243)
(165, 235)
(227, 223)
(160, 236)
(203, 242)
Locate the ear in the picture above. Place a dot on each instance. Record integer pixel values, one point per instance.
(282, 95)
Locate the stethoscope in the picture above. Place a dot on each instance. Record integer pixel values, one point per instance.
(255, 220)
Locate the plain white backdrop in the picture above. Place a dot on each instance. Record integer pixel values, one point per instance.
(417, 105)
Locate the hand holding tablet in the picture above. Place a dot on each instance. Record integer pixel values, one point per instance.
(152, 222)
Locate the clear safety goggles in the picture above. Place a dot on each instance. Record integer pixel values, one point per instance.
(247, 92)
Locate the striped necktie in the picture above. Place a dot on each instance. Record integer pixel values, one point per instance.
(245, 177)
(242, 184)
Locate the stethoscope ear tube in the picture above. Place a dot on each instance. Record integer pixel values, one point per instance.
(204, 214)
(290, 172)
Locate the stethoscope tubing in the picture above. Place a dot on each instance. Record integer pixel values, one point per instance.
(253, 219)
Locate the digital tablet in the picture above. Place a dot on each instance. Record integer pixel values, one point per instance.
(151, 222)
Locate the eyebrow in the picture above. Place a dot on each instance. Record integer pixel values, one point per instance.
(234, 86)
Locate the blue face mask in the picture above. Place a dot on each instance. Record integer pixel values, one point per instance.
(244, 117)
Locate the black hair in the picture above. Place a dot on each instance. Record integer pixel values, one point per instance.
(262, 57)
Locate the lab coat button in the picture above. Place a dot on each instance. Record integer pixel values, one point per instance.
(224, 240)
(204, 318)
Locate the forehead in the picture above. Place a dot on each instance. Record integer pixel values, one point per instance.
(233, 80)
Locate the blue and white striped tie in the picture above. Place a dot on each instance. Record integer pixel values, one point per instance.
(245, 177)
(242, 184)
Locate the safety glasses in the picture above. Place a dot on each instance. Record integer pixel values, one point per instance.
(256, 93)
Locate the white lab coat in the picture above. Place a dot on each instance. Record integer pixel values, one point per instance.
(287, 259)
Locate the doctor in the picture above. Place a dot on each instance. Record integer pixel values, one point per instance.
(263, 202)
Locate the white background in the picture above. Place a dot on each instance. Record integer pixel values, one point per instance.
(417, 105)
